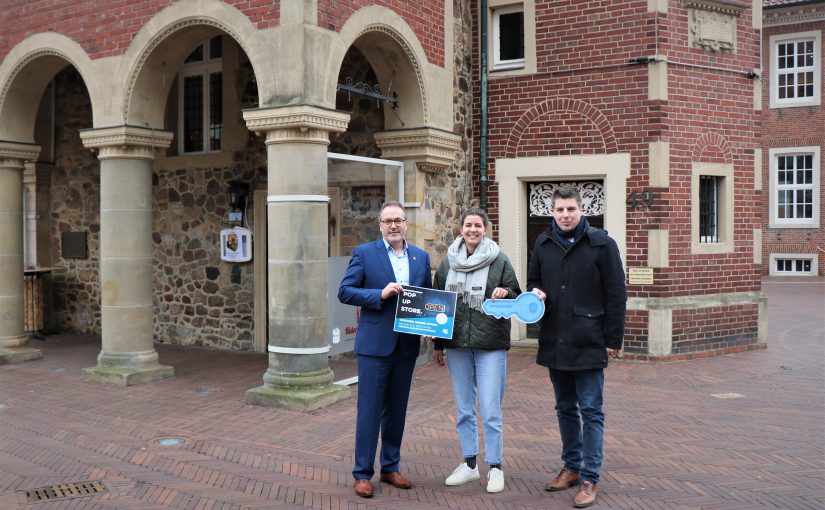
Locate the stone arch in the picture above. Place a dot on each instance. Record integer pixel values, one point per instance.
(26, 72)
(713, 148)
(162, 45)
(396, 56)
(588, 111)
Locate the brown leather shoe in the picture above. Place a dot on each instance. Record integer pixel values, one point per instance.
(363, 488)
(566, 478)
(396, 480)
(586, 495)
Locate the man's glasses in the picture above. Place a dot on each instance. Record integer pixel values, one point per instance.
(397, 222)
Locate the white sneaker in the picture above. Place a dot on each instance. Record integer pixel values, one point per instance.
(462, 474)
(495, 480)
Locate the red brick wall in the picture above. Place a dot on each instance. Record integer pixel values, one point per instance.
(425, 17)
(635, 331)
(785, 128)
(708, 117)
(695, 330)
(714, 328)
(102, 28)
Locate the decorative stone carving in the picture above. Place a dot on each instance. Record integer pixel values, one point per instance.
(712, 24)
(302, 124)
(541, 195)
(791, 14)
(13, 154)
(126, 142)
(432, 150)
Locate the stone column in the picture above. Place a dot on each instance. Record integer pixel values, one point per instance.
(127, 356)
(14, 343)
(298, 377)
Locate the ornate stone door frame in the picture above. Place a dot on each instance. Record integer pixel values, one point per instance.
(512, 174)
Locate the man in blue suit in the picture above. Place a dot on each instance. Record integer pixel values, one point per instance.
(386, 359)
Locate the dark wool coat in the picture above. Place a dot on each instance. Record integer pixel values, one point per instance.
(475, 329)
(586, 299)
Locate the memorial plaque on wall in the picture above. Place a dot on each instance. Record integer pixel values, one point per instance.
(73, 245)
(367, 199)
(640, 276)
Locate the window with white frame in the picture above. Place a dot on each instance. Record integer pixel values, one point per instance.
(794, 187)
(200, 89)
(793, 264)
(508, 37)
(795, 69)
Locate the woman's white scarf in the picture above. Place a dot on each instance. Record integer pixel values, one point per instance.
(468, 275)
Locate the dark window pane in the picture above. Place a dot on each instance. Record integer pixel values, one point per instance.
(708, 209)
(193, 114)
(195, 56)
(511, 36)
(806, 265)
(216, 48)
(215, 111)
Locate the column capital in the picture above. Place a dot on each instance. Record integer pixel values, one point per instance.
(296, 124)
(125, 142)
(432, 149)
(13, 154)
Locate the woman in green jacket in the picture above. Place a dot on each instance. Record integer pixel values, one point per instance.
(477, 269)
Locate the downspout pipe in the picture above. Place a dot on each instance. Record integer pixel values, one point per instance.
(482, 152)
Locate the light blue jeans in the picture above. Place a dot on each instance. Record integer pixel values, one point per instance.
(476, 372)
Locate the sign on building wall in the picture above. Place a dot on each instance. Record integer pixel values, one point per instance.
(236, 244)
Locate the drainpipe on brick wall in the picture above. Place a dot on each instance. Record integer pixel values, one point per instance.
(482, 152)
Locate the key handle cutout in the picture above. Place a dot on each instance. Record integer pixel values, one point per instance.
(527, 308)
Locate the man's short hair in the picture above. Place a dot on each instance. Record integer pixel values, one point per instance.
(566, 193)
(392, 203)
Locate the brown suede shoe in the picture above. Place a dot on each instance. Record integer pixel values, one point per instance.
(363, 488)
(566, 478)
(586, 495)
(396, 480)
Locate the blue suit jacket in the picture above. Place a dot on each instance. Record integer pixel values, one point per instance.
(369, 271)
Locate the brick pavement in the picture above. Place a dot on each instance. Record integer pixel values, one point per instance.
(669, 443)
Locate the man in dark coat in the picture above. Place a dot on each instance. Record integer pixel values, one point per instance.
(577, 270)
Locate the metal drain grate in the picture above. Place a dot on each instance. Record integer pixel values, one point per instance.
(63, 491)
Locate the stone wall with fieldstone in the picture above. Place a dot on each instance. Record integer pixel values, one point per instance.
(75, 206)
(450, 192)
(200, 299)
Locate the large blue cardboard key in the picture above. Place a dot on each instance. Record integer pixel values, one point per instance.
(527, 308)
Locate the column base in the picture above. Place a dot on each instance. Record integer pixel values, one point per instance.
(127, 376)
(297, 398)
(11, 355)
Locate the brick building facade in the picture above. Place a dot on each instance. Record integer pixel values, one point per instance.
(131, 133)
(655, 106)
(793, 138)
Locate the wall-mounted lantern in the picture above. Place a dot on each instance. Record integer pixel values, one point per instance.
(237, 195)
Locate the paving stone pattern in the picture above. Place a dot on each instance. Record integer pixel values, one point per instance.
(669, 443)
